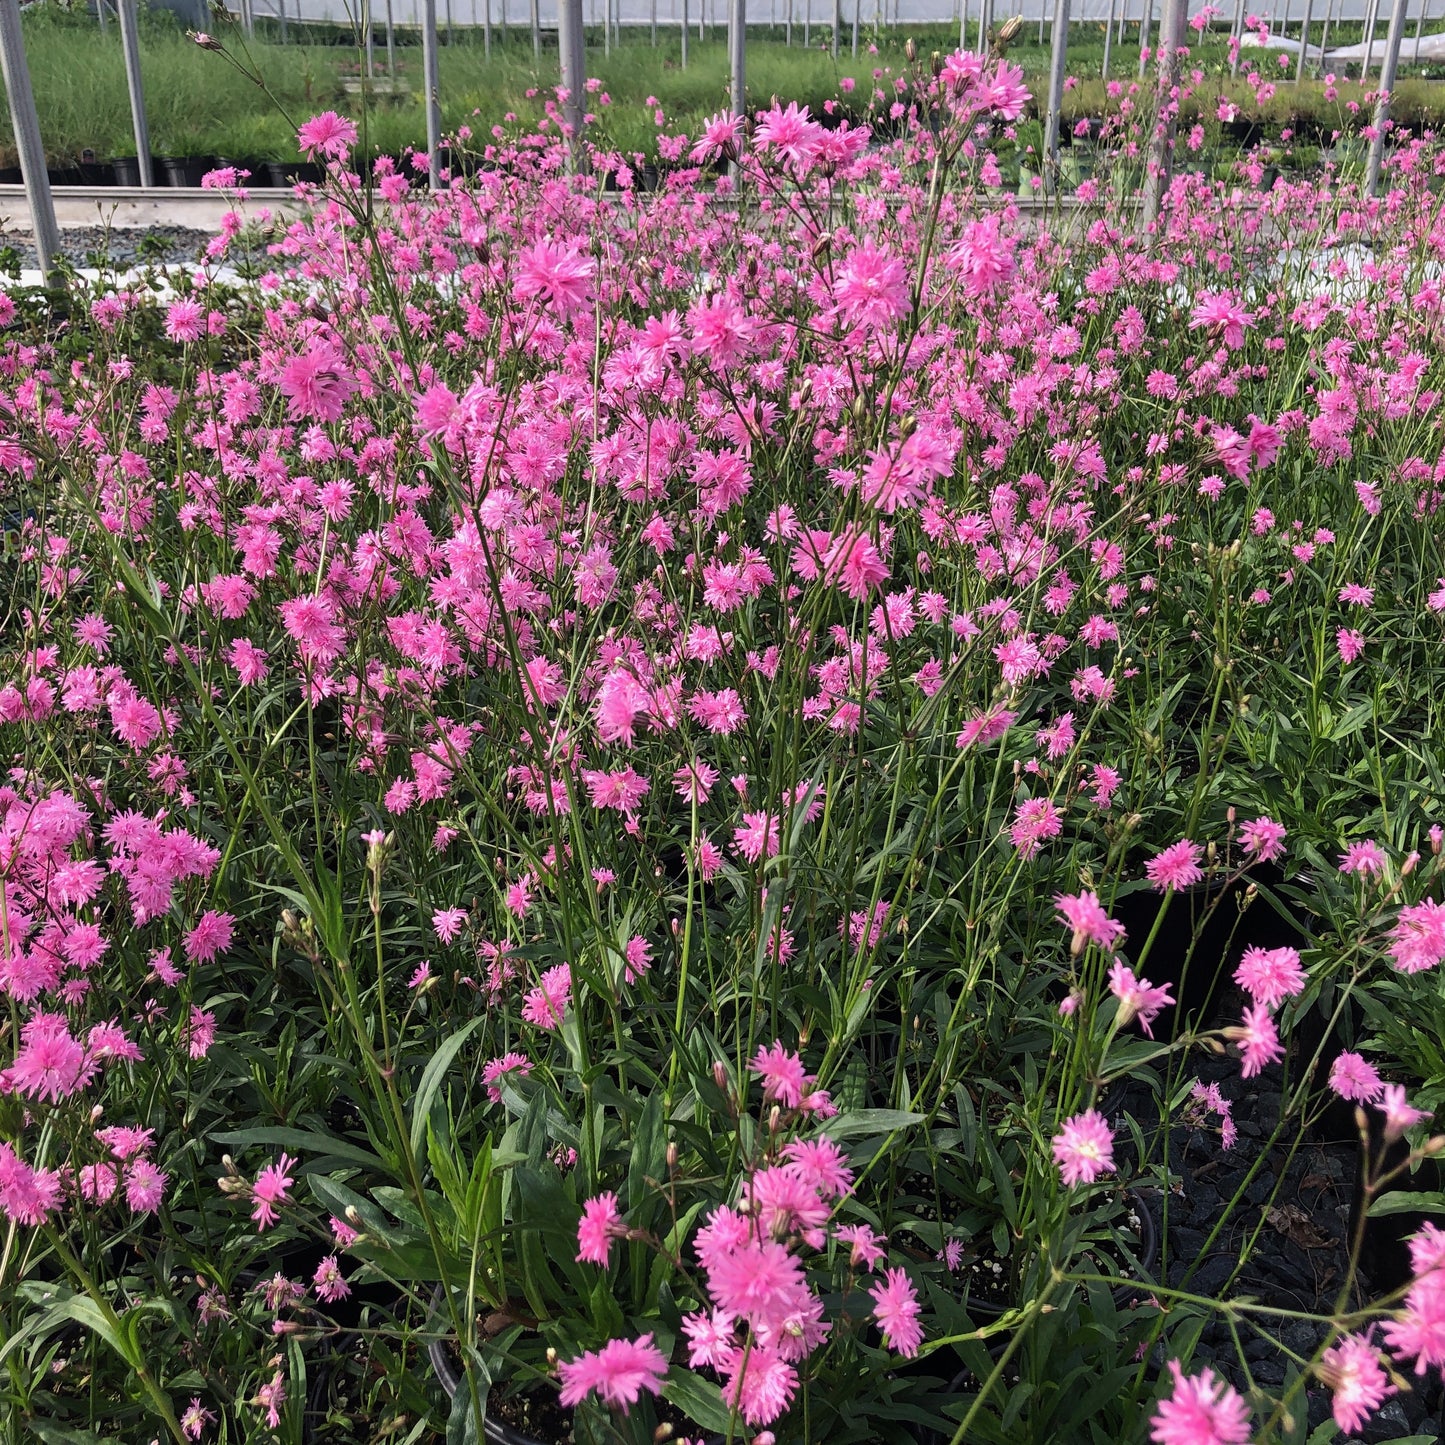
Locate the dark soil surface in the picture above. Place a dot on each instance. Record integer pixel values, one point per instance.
(133, 246)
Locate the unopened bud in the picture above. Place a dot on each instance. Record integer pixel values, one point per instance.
(663, 1432)
(720, 1074)
(910, 49)
(672, 1156)
(935, 64)
(1008, 33)
(1432, 1147)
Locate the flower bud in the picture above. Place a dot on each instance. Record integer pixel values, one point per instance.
(910, 49)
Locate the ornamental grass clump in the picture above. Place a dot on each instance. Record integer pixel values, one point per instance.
(579, 758)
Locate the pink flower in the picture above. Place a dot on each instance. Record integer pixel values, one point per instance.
(1262, 839)
(872, 287)
(1203, 1410)
(1270, 975)
(600, 1224)
(618, 1373)
(1355, 1079)
(865, 1247)
(1176, 867)
(1349, 643)
(546, 1005)
(1364, 857)
(327, 133)
(1258, 1040)
(195, 1419)
(1399, 1113)
(1091, 924)
(210, 936)
(782, 1075)
(1417, 941)
(896, 1308)
(518, 1064)
(1036, 821)
(1353, 1371)
(270, 1397)
(272, 1187)
(555, 273)
(760, 1385)
(328, 1281)
(448, 922)
(317, 384)
(1138, 998)
(1084, 1148)
(145, 1186)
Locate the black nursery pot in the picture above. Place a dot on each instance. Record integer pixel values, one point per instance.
(1224, 934)
(127, 170)
(186, 171)
(11, 176)
(288, 173)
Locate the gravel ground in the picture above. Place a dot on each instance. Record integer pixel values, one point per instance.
(173, 245)
(1302, 1198)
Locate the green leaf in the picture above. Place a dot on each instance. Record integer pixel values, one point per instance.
(306, 1140)
(699, 1399)
(462, 1421)
(869, 1121)
(1401, 1201)
(432, 1079)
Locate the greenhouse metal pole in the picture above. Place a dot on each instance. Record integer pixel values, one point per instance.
(960, 13)
(368, 45)
(837, 26)
(281, 16)
(1109, 36)
(737, 54)
(26, 125)
(1144, 24)
(1382, 105)
(1372, 16)
(1236, 34)
(487, 29)
(130, 45)
(1172, 20)
(432, 91)
(1043, 15)
(1059, 59)
(390, 39)
(857, 5)
(536, 32)
(248, 20)
(1419, 26)
(653, 18)
(1325, 33)
(1304, 42)
(684, 34)
(100, 15)
(571, 47)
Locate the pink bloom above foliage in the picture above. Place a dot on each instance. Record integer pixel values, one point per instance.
(271, 1189)
(1203, 1410)
(328, 134)
(896, 1308)
(1084, 1148)
(1177, 866)
(617, 1374)
(1355, 1079)
(600, 1224)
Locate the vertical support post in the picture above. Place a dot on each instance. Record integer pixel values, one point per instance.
(572, 51)
(837, 27)
(737, 55)
(684, 34)
(1109, 36)
(391, 39)
(807, 24)
(857, 5)
(432, 86)
(248, 20)
(788, 24)
(26, 125)
(450, 39)
(1172, 21)
(654, 24)
(1236, 34)
(960, 14)
(1043, 15)
(1391, 64)
(1325, 33)
(1304, 42)
(281, 16)
(487, 28)
(100, 15)
(130, 45)
(1419, 26)
(536, 31)
(1372, 16)
(1058, 62)
(367, 45)
(1144, 25)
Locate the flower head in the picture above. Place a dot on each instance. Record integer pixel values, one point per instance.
(618, 1373)
(1084, 1148)
(1203, 1410)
